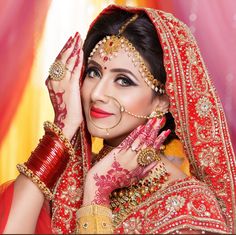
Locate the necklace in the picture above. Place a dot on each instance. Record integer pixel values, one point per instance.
(124, 200)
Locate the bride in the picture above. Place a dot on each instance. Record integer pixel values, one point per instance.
(139, 83)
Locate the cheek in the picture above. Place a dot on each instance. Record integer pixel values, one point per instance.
(138, 103)
(85, 93)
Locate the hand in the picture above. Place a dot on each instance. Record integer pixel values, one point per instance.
(65, 94)
(120, 168)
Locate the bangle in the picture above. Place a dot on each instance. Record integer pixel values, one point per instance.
(35, 179)
(47, 162)
(94, 219)
(56, 130)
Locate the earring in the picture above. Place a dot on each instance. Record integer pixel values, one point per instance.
(157, 113)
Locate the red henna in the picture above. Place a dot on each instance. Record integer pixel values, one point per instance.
(150, 138)
(75, 50)
(160, 139)
(66, 46)
(116, 177)
(59, 107)
(127, 142)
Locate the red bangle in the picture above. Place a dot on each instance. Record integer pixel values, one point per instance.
(47, 162)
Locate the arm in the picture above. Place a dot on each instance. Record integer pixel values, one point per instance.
(50, 158)
(26, 206)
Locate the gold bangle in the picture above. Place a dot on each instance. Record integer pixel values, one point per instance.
(55, 129)
(22, 168)
(94, 210)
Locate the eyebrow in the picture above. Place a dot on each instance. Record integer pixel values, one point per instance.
(116, 70)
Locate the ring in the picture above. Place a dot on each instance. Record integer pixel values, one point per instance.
(57, 71)
(147, 156)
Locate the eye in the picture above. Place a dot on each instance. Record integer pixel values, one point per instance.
(125, 81)
(93, 72)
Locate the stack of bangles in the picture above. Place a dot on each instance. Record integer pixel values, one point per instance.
(48, 160)
(94, 219)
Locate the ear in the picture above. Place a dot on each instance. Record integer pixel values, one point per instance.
(161, 103)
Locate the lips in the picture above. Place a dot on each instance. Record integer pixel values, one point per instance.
(99, 113)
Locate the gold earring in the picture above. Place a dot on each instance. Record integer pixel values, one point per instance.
(157, 113)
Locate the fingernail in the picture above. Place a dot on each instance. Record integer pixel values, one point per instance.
(151, 121)
(163, 122)
(76, 34)
(167, 132)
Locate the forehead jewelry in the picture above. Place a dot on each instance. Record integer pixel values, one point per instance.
(109, 46)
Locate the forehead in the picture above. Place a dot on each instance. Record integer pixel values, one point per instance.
(118, 59)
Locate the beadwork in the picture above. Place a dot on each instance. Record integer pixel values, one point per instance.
(57, 71)
(35, 179)
(124, 200)
(108, 48)
(147, 156)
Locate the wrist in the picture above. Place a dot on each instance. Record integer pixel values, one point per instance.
(48, 160)
(93, 194)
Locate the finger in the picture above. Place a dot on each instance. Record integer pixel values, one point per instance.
(160, 139)
(159, 123)
(78, 65)
(127, 142)
(64, 48)
(67, 53)
(147, 129)
(148, 169)
(75, 49)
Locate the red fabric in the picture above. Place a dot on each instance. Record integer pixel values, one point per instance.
(44, 221)
(6, 195)
(21, 23)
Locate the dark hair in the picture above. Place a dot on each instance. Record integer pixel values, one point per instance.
(142, 34)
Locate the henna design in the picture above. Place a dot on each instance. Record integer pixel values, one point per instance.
(160, 139)
(75, 50)
(116, 177)
(59, 107)
(66, 46)
(150, 139)
(146, 133)
(77, 60)
(127, 142)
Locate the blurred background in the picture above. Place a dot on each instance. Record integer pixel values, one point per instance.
(32, 32)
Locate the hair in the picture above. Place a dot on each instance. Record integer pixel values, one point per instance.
(142, 34)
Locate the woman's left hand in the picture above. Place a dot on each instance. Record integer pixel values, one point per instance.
(120, 168)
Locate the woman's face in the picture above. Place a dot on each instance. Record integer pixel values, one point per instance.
(109, 85)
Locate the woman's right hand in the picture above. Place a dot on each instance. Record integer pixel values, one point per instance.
(65, 94)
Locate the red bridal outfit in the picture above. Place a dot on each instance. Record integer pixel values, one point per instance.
(202, 202)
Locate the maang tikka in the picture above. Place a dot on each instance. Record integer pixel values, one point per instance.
(109, 46)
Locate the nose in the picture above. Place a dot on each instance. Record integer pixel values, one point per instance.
(100, 91)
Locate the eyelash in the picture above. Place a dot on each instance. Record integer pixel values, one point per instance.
(120, 77)
(93, 69)
(127, 80)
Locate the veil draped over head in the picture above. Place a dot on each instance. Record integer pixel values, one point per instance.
(199, 118)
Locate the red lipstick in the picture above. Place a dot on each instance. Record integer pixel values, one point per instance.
(99, 113)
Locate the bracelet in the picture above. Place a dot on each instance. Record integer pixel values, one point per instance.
(35, 179)
(55, 129)
(47, 161)
(94, 219)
